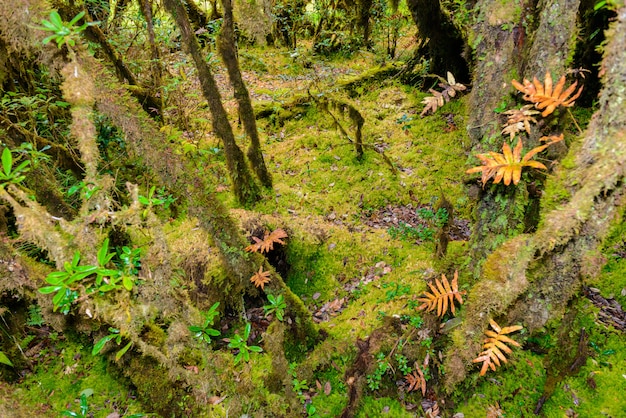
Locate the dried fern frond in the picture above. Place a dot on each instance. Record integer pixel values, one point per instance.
(416, 380)
(494, 411)
(519, 120)
(433, 411)
(442, 295)
(544, 96)
(508, 165)
(261, 278)
(494, 347)
(438, 99)
(267, 243)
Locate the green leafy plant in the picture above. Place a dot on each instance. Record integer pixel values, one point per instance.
(395, 290)
(9, 174)
(62, 282)
(437, 218)
(241, 343)
(114, 334)
(156, 198)
(86, 190)
(35, 319)
(130, 260)
(374, 379)
(63, 33)
(403, 364)
(277, 306)
(66, 283)
(4, 359)
(204, 332)
(84, 407)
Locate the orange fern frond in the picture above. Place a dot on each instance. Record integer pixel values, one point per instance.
(507, 166)
(543, 96)
(267, 243)
(261, 278)
(494, 347)
(442, 296)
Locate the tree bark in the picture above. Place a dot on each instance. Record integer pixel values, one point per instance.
(228, 51)
(445, 44)
(244, 187)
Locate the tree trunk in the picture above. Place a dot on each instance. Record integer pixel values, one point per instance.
(530, 279)
(150, 103)
(244, 187)
(504, 55)
(445, 42)
(155, 65)
(228, 51)
(363, 20)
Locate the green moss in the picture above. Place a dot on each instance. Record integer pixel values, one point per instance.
(380, 407)
(57, 384)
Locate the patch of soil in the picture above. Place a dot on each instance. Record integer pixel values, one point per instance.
(407, 215)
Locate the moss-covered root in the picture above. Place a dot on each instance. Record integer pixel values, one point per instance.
(279, 378)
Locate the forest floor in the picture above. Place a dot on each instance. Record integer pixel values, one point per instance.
(360, 253)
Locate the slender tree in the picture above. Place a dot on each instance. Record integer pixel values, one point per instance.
(228, 50)
(244, 187)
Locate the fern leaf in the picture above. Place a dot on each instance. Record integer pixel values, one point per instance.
(442, 296)
(495, 346)
(507, 167)
(267, 243)
(543, 96)
(261, 278)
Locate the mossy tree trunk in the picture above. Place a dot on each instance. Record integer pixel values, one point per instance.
(155, 65)
(445, 42)
(228, 50)
(501, 56)
(244, 187)
(529, 279)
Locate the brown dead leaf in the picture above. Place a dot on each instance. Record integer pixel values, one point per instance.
(327, 388)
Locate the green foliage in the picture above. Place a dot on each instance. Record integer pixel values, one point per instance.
(277, 306)
(403, 364)
(425, 230)
(413, 320)
(10, 175)
(130, 260)
(86, 190)
(114, 334)
(63, 33)
(156, 198)
(395, 290)
(382, 366)
(35, 319)
(241, 343)
(84, 407)
(68, 282)
(204, 332)
(5, 360)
